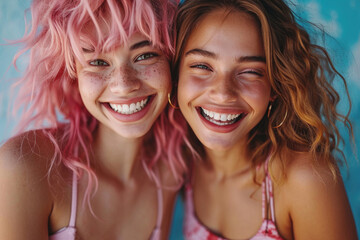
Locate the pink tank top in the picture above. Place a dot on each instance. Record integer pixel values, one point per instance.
(69, 232)
(194, 230)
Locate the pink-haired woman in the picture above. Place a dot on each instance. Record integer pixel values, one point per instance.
(95, 147)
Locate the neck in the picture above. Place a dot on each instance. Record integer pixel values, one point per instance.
(116, 156)
(227, 163)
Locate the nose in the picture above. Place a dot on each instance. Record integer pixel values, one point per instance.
(223, 89)
(124, 80)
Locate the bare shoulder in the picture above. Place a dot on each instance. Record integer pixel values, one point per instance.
(303, 169)
(316, 199)
(30, 152)
(27, 202)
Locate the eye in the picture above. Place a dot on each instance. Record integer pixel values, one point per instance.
(98, 62)
(146, 56)
(253, 72)
(201, 66)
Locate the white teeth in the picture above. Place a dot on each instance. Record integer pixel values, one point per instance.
(129, 109)
(132, 107)
(219, 118)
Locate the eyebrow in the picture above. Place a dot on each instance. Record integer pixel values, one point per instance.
(252, 59)
(202, 52)
(140, 45)
(205, 53)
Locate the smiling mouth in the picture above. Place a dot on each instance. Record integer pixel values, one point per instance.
(131, 108)
(221, 119)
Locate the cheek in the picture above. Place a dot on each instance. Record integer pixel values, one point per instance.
(157, 75)
(91, 84)
(257, 93)
(190, 87)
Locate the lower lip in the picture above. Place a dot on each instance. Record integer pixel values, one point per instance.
(130, 117)
(218, 128)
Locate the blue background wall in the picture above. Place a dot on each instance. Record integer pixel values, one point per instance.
(340, 19)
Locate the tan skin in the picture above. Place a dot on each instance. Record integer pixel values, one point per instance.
(126, 202)
(309, 203)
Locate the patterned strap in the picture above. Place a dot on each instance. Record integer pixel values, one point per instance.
(269, 192)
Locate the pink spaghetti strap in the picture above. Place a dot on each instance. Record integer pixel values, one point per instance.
(73, 201)
(160, 202)
(157, 231)
(156, 234)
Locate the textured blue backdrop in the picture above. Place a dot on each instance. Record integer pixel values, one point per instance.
(340, 19)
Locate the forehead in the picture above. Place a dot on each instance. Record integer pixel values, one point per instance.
(227, 30)
(106, 32)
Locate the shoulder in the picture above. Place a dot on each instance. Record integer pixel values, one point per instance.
(29, 156)
(24, 164)
(305, 172)
(316, 199)
(28, 150)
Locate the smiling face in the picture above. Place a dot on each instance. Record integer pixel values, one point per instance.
(223, 88)
(126, 89)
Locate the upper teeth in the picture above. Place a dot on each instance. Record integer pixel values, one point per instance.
(129, 108)
(220, 116)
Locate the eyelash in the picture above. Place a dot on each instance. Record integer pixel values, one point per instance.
(204, 67)
(146, 56)
(98, 63)
(201, 66)
(252, 71)
(142, 57)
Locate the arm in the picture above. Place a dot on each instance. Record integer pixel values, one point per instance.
(319, 208)
(25, 202)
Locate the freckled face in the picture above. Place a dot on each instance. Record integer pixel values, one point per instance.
(223, 88)
(126, 89)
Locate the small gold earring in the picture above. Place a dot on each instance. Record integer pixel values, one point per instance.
(172, 105)
(269, 110)
(282, 122)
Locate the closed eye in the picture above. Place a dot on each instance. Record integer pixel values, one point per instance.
(146, 56)
(253, 71)
(99, 63)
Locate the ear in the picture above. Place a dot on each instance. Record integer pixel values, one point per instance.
(273, 97)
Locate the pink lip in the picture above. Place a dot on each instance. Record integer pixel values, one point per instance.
(217, 128)
(129, 117)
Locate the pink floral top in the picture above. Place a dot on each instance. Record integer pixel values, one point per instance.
(194, 230)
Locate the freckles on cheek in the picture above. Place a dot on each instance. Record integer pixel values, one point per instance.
(90, 84)
(158, 74)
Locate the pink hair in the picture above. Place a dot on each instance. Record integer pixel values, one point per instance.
(48, 93)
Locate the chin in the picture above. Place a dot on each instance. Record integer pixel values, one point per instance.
(133, 133)
(218, 144)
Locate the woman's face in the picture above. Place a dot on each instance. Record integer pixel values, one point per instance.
(223, 87)
(126, 89)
